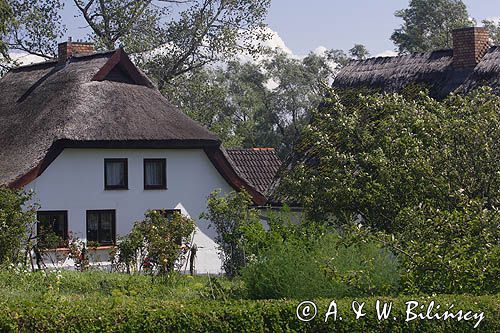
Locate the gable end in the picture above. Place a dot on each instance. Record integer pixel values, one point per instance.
(119, 68)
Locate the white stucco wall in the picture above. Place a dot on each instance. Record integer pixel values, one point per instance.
(74, 181)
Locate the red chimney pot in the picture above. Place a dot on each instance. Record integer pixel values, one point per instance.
(469, 46)
(67, 49)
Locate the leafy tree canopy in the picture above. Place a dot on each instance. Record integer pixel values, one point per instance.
(427, 24)
(169, 37)
(376, 156)
(36, 27)
(494, 30)
(359, 52)
(179, 35)
(263, 104)
(5, 21)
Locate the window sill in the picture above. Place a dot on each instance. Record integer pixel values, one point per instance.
(103, 247)
(116, 188)
(66, 249)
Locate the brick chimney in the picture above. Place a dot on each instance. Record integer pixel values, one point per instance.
(469, 46)
(67, 49)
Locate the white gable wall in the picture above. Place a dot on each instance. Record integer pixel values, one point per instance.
(74, 181)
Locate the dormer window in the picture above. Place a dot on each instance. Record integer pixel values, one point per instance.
(116, 174)
(155, 174)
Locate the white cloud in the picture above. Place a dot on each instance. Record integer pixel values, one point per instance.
(495, 19)
(387, 53)
(25, 58)
(320, 50)
(274, 42)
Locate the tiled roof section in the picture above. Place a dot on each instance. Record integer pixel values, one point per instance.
(257, 165)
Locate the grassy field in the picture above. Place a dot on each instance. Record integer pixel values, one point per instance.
(69, 284)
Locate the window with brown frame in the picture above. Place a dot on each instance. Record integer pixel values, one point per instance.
(101, 226)
(116, 174)
(52, 222)
(155, 174)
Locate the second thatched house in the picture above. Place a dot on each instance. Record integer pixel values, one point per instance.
(472, 63)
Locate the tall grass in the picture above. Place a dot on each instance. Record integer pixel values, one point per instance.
(72, 284)
(324, 268)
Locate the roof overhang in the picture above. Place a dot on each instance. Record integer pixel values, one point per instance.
(212, 148)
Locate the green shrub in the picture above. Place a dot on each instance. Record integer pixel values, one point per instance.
(454, 251)
(236, 224)
(441, 251)
(15, 224)
(382, 153)
(129, 314)
(154, 244)
(301, 268)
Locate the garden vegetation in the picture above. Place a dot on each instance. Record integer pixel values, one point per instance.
(401, 197)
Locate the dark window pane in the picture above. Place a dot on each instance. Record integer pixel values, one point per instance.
(52, 224)
(115, 173)
(155, 173)
(106, 228)
(101, 226)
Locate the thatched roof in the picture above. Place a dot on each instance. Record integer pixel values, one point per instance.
(98, 100)
(434, 70)
(257, 165)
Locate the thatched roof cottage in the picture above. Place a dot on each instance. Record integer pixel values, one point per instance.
(99, 145)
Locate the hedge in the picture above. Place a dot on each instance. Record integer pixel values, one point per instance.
(128, 314)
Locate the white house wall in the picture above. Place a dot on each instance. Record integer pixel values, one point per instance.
(74, 181)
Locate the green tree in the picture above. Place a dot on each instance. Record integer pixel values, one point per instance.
(359, 52)
(493, 29)
(451, 251)
(427, 24)
(36, 27)
(385, 153)
(229, 101)
(181, 36)
(5, 22)
(264, 104)
(299, 90)
(202, 94)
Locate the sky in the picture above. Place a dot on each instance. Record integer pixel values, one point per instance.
(305, 25)
(302, 26)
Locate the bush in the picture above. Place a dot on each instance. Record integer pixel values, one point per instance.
(15, 226)
(454, 251)
(235, 222)
(155, 244)
(129, 314)
(385, 152)
(304, 268)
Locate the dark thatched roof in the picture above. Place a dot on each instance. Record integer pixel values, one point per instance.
(98, 100)
(42, 104)
(434, 70)
(257, 165)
